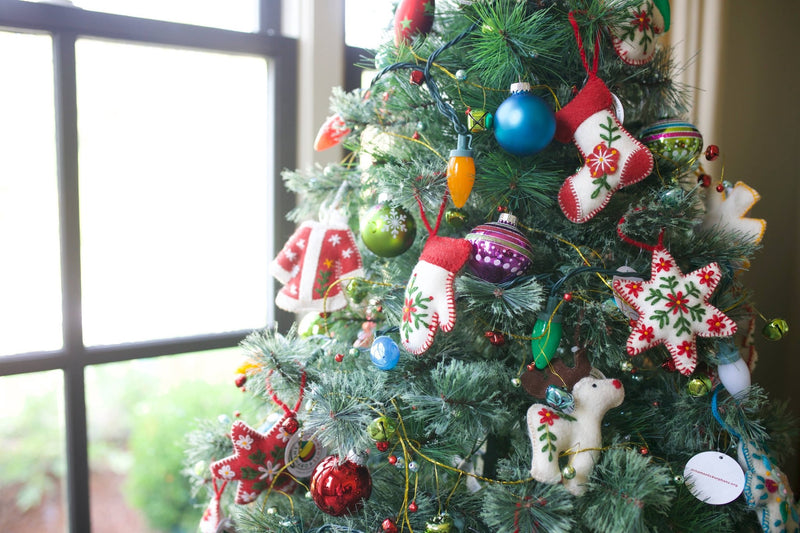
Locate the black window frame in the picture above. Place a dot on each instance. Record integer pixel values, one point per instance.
(66, 24)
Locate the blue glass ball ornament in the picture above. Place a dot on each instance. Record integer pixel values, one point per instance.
(524, 124)
(384, 353)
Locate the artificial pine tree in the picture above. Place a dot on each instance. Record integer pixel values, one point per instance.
(549, 332)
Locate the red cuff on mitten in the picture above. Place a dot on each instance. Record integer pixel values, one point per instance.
(594, 97)
(446, 252)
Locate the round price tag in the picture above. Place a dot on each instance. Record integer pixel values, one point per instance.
(303, 455)
(714, 478)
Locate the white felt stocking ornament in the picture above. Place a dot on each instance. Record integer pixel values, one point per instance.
(613, 158)
(767, 490)
(635, 40)
(554, 432)
(429, 299)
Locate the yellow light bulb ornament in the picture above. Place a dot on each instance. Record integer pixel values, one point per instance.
(461, 171)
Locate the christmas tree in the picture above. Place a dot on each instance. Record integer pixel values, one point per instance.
(521, 299)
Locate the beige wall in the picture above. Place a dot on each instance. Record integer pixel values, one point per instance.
(748, 101)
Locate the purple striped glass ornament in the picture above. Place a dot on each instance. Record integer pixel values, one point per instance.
(500, 251)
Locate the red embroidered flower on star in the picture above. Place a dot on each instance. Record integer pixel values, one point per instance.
(642, 21)
(685, 348)
(716, 324)
(548, 417)
(634, 288)
(603, 160)
(677, 303)
(646, 333)
(707, 277)
(663, 264)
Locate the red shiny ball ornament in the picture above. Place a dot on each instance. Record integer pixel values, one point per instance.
(712, 152)
(241, 379)
(704, 180)
(417, 77)
(416, 137)
(567, 296)
(393, 459)
(412, 507)
(339, 357)
(339, 486)
(643, 450)
(291, 426)
(237, 414)
(720, 187)
(389, 526)
(382, 445)
(530, 367)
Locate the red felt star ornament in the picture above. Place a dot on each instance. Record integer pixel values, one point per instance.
(257, 462)
(673, 309)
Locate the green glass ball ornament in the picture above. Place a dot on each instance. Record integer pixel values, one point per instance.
(456, 217)
(699, 386)
(568, 472)
(353, 352)
(388, 230)
(381, 429)
(678, 479)
(516, 382)
(775, 329)
(440, 524)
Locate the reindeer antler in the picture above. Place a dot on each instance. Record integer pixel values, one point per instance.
(535, 382)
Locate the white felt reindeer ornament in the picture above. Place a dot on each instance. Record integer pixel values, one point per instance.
(578, 433)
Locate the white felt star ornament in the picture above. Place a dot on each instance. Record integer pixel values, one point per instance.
(726, 212)
(673, 309)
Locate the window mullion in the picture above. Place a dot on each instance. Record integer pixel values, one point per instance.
(77, 481)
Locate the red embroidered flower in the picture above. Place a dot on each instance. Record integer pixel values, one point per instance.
(645, 333)
(707, 277)
(663, 264)
(772, 485)
(677, 303)
(634, 288)
(408, 310)
(548, 417)
(685, 348)
(603, 160)
(641, 21)
(716, 323)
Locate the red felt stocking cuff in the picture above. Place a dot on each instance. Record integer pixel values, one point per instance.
(594, 97)
(446, 252)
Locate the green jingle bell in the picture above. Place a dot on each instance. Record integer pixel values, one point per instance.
(775, 329)
(381, 429)
(455, 217)
(699, 386)
(440, 524)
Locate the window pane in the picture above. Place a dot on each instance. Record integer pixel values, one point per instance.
(367, 22)
(174, 189)
(238, 15)
(139, 413)
(32, 465)
(30, 306)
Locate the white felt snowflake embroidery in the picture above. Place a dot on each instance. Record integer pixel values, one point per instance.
(335, 239)
(301, 243)
(347, 253)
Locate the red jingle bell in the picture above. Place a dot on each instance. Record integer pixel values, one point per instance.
(712, 152)
(291, 425)
(340, 486)
(417, 77)
(495, 337)
(389, 526)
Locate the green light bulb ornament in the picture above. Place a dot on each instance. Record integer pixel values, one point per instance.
(546, 334)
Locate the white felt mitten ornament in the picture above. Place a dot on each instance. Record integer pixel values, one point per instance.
(554, 432)
(635, 40)
(726, 212)
(613, 158)
(429, 298)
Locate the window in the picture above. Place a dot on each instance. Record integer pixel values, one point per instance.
(139, 169)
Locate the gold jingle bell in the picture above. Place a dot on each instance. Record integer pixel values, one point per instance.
(441, 524)
(699, 386)
(775, 329)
